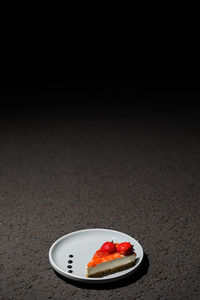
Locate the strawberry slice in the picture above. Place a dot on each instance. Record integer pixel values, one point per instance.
(108, 247)
(125, 248)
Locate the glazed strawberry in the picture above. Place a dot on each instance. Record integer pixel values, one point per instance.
(125, 248)
(108, 247)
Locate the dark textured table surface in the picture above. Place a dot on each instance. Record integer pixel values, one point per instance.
(133, 171)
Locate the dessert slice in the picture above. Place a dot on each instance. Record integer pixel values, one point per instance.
(111, 257)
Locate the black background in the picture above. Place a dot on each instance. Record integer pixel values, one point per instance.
(94, 82)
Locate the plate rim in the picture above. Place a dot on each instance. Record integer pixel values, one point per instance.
(90, 279)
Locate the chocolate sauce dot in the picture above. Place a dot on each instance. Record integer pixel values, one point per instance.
(69, 267)
(70, 271)
(70, 261)
(70, 255)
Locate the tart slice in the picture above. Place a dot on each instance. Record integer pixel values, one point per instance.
(111, 257)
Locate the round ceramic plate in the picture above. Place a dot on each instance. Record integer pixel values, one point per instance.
(70, 254)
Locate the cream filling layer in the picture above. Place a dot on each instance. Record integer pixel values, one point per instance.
(112, 264)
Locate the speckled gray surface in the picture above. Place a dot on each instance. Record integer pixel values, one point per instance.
(137, 173)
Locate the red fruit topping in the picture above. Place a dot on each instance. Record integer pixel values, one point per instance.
(108, 247)
(125, 248)
(98, 253)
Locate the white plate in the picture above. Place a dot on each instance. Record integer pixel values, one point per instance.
(82, 245)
